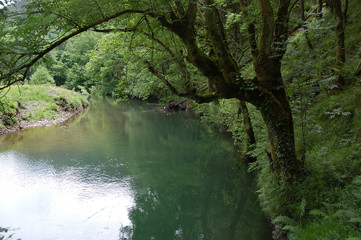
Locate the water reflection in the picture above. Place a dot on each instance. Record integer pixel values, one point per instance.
(44, 204)
(125, 172)
(206, 207)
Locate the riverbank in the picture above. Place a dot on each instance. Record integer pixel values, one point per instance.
(325, 203)
(38, 106)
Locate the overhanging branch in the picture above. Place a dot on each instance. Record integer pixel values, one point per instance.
(200, 98)
(26, 66)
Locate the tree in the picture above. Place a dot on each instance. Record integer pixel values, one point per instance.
(41, 76)
(206, 48)
(341, 16)
(266, 91)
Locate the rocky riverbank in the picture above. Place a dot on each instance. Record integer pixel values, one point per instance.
(61, 117)
(38, 106)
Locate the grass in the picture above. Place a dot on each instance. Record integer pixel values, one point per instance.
(37, 102)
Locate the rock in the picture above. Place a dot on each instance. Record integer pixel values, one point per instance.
(176, 106)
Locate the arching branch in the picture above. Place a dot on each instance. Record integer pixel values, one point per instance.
(200, 98)
(26, 66)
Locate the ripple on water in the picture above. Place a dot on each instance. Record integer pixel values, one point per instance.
(60, 205)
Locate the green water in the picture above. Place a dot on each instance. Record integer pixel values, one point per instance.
(126, 172)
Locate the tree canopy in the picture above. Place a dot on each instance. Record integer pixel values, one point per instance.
(259, 63)
(201, 50)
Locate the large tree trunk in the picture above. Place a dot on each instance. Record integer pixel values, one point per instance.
(274, 107)
(277, 115)
(266, 91)
(282, 155)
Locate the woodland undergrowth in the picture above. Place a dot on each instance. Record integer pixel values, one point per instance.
(326, 203)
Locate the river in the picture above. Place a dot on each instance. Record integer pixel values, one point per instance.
(126, 172)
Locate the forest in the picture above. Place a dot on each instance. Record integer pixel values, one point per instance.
(281, 77)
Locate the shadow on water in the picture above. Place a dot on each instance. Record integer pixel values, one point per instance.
(144, 174)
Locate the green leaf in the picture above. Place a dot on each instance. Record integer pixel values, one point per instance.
(285, 220)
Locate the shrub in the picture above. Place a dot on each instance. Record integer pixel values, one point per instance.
(41, 76)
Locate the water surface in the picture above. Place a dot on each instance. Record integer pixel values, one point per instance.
(126, 172)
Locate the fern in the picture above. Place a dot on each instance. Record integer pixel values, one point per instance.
(318, 213)
(355, 220)
(289, 224)
(303, 207)
(357, 180)
(289, 228)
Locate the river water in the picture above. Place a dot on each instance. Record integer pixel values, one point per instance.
(126, 172)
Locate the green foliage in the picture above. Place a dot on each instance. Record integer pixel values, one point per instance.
(37, 102)
(338, 220)
(326, 204)
(326, 229)
(41, 76)
(105, 66)
(6, 233)
(69, 61)
(98, 64)
(289, 224)
(328, 128)
(8, 111)
(310, 69)
(222, 116)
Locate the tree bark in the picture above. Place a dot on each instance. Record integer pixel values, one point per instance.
(250, 137)
(266, 91)
(320, 8)
(308, 40)
(279, 123)
(275, 108)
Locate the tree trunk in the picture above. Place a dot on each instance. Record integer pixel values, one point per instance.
(308, 40)
(340, 40)
(266, 91)
(277, 115)
(274, 105)
(282, 156)
(250, 137)
(320, 7)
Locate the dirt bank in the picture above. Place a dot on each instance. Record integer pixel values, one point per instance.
(38, 106)
(60, 117)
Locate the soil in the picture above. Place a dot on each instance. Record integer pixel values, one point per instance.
(61, 117)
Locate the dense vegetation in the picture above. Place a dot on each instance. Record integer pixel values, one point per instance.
(283, 77)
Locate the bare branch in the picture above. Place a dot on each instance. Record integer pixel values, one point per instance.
(203, 98)
(161, 77)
